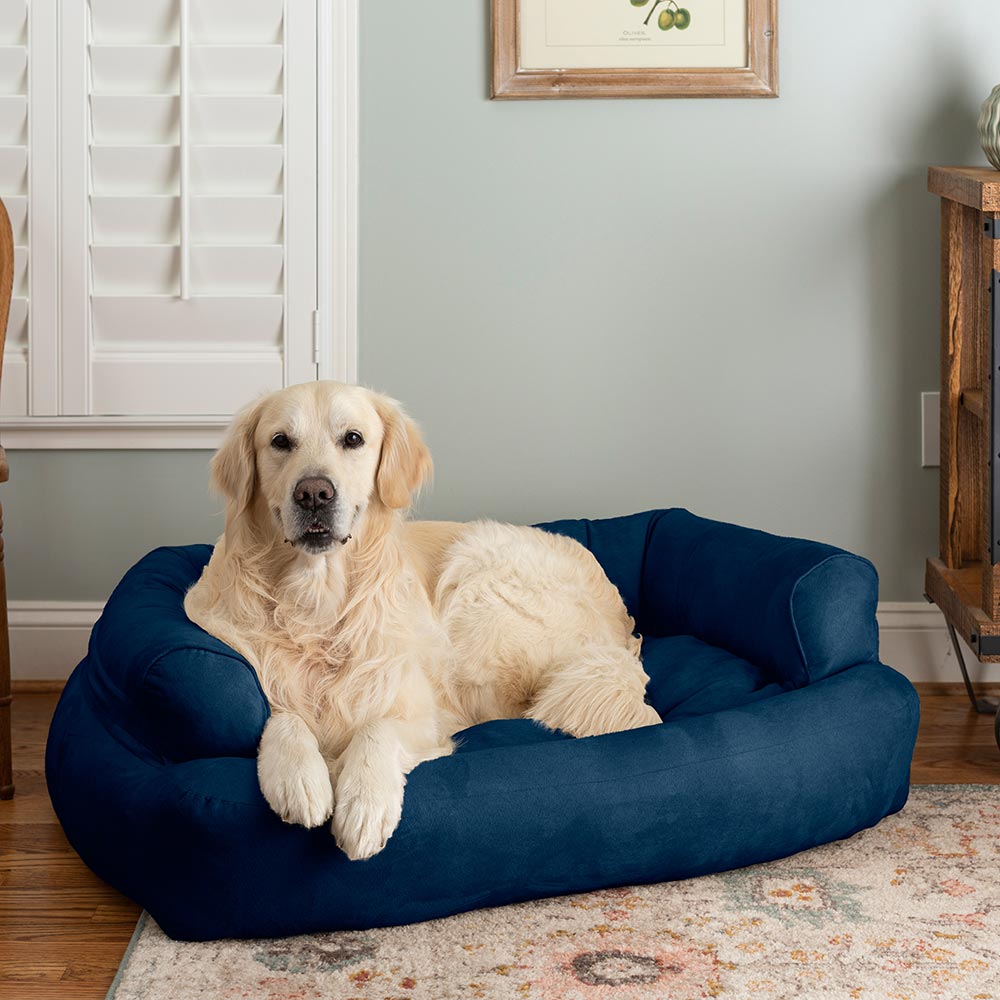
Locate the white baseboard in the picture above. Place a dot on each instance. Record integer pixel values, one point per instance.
(913, 638)
(49, 638)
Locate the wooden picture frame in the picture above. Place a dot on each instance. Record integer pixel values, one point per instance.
(757, 78)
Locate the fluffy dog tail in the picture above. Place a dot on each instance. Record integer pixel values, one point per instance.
(600, 690)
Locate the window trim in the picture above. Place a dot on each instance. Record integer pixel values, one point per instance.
(111, 433)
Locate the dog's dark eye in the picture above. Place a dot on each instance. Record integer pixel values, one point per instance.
(281, 442)
(352, 439)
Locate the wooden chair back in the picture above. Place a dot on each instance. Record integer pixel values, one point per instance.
(6, 289)
(6, 276)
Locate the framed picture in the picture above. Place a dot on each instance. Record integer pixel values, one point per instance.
(635, 48)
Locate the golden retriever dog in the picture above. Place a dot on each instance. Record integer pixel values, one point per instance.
(376, 638)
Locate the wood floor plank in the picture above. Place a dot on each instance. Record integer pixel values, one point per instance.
(31, 799)
(955, 744)
(63, 931)
(61, 990)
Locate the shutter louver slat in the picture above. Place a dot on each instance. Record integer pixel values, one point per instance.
(124, 220)
(20, 271)
(17, 323)
(222, 169)
(155, 69)
(153, 170)
(13, 170)
(17, 211)
(246, 269)
(136, 119)
(153, 119)
(237, 21)
(121, 220)
(254, 119)
(126, 22)
(13, 69)
(13, 190)
(250, 220)
(236, 69)
(134, 69)
(134, 170)
(155, 270)
(14, 23)
(134, 270)
(14, 120)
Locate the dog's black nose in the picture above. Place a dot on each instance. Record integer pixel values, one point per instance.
(311, 494)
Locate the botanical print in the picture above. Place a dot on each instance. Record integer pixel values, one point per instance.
(672, 15)
(909, 910)
(587, 34)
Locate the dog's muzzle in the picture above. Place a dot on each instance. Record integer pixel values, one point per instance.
(316, 500)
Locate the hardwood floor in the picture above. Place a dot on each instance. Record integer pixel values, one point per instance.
(63, 931)
(954, 744)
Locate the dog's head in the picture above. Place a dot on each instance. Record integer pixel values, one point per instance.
(310, 459)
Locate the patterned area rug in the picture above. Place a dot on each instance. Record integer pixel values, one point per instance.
(906, 911)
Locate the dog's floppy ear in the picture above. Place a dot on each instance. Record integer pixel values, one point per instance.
(234, 465)
(405, 463)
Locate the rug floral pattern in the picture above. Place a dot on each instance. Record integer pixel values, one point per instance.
(906, 911)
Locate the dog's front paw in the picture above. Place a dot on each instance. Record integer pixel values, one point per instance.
(297, 787)
(366, 815)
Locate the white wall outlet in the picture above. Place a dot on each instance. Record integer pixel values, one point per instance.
(930, 429)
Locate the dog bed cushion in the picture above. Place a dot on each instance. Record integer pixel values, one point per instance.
(781, 731)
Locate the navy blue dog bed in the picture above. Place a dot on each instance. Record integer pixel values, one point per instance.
(781, 731)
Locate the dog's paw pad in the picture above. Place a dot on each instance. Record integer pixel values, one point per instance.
(302, 795)
(363, 824)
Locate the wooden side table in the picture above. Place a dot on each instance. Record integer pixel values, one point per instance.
(964, 581)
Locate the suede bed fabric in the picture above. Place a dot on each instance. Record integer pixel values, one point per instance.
(781, 731)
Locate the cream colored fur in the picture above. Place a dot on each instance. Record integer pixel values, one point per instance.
(376, 650)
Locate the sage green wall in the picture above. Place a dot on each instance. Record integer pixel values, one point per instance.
(597, 307)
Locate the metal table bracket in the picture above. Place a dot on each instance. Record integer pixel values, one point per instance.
(987, 704)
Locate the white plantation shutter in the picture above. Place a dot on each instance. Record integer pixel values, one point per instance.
(14, 191)
(208, 120)
(160, 159)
